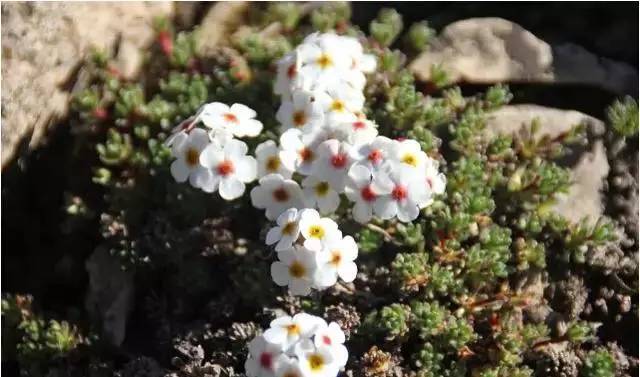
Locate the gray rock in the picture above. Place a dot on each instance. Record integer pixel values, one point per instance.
(219, 21)
(110, 295)
(492, 50)
(585, 198)
(486, 50)
(42, 45)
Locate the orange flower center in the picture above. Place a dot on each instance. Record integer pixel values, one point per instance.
(399, 193)
(231, 118)
(299, 118)
(367, 194)
(339, 160)
(225, 168)
(306, 154)
(324, 61)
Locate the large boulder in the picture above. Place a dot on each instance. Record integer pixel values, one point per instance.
(42, 46)
(589, 167)
(492, 50)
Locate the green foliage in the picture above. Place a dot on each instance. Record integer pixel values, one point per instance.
(418, 36)
(368, 240)
(409, 270)
(599, 363)
(390, 321)
(330, 15)
(487, 260)
(386, 27)
(622, 115)
(31, 340)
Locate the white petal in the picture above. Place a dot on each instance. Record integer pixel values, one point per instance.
(341, 354)
(251, 128)
(362, 212)
(408, 211)
(246, 168)
(329, 203)
(211, 156)
(325, 277)
(231, 188)
(349, 248)
(385, 207)
(348, 271)
(199, 176)
(235, 148)
(180, 170)
(242, 111)
(276, 335)
(280, 273)
(273, 235)
(360, 175)
(299, 287)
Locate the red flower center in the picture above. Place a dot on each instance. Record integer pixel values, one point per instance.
(429, 182)
(292, 71)
(231, 118)
(326, 340)
(399, 193)
(367, 194)
(375, 156)
(280, 195)
(339, 160)
(358, 125)
(225, 168)
(306, 154)
(266, 360)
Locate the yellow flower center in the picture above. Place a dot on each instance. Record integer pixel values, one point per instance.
(316, 231)
(293, 329)
(410, 159)
(316, 362)
(322, 188)
(324, 61)
(192, 157)
(297, 270)
(337, 105)
(273, 163)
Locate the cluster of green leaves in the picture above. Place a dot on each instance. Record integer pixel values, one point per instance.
(31, 340)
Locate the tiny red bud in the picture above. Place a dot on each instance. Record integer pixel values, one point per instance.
(166, 42)
(100, 113)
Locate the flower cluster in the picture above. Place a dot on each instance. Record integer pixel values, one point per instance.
(327, 139)
(298, 346)
(215, 160)
(312, 253)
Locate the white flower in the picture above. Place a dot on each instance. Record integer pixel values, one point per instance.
(287, 76)
(436, 181)
(302, 112)
(287, 331)
(359, 60)
(332, 336)
(408, 195)
(317, 230)
(276, 195)
(268, 156)
(319, 194)
(287, 230)
(186, 148)
(323, 58)
(374, 154)
(365, 190)
(264, 358)
(298, 150)
(339, 103)
(336, 259)
(410, 155)
(318, 362)
(333, 162)
(220, 136)
(238, 118)
(229, 168)
(359, 131)
(295, 269)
